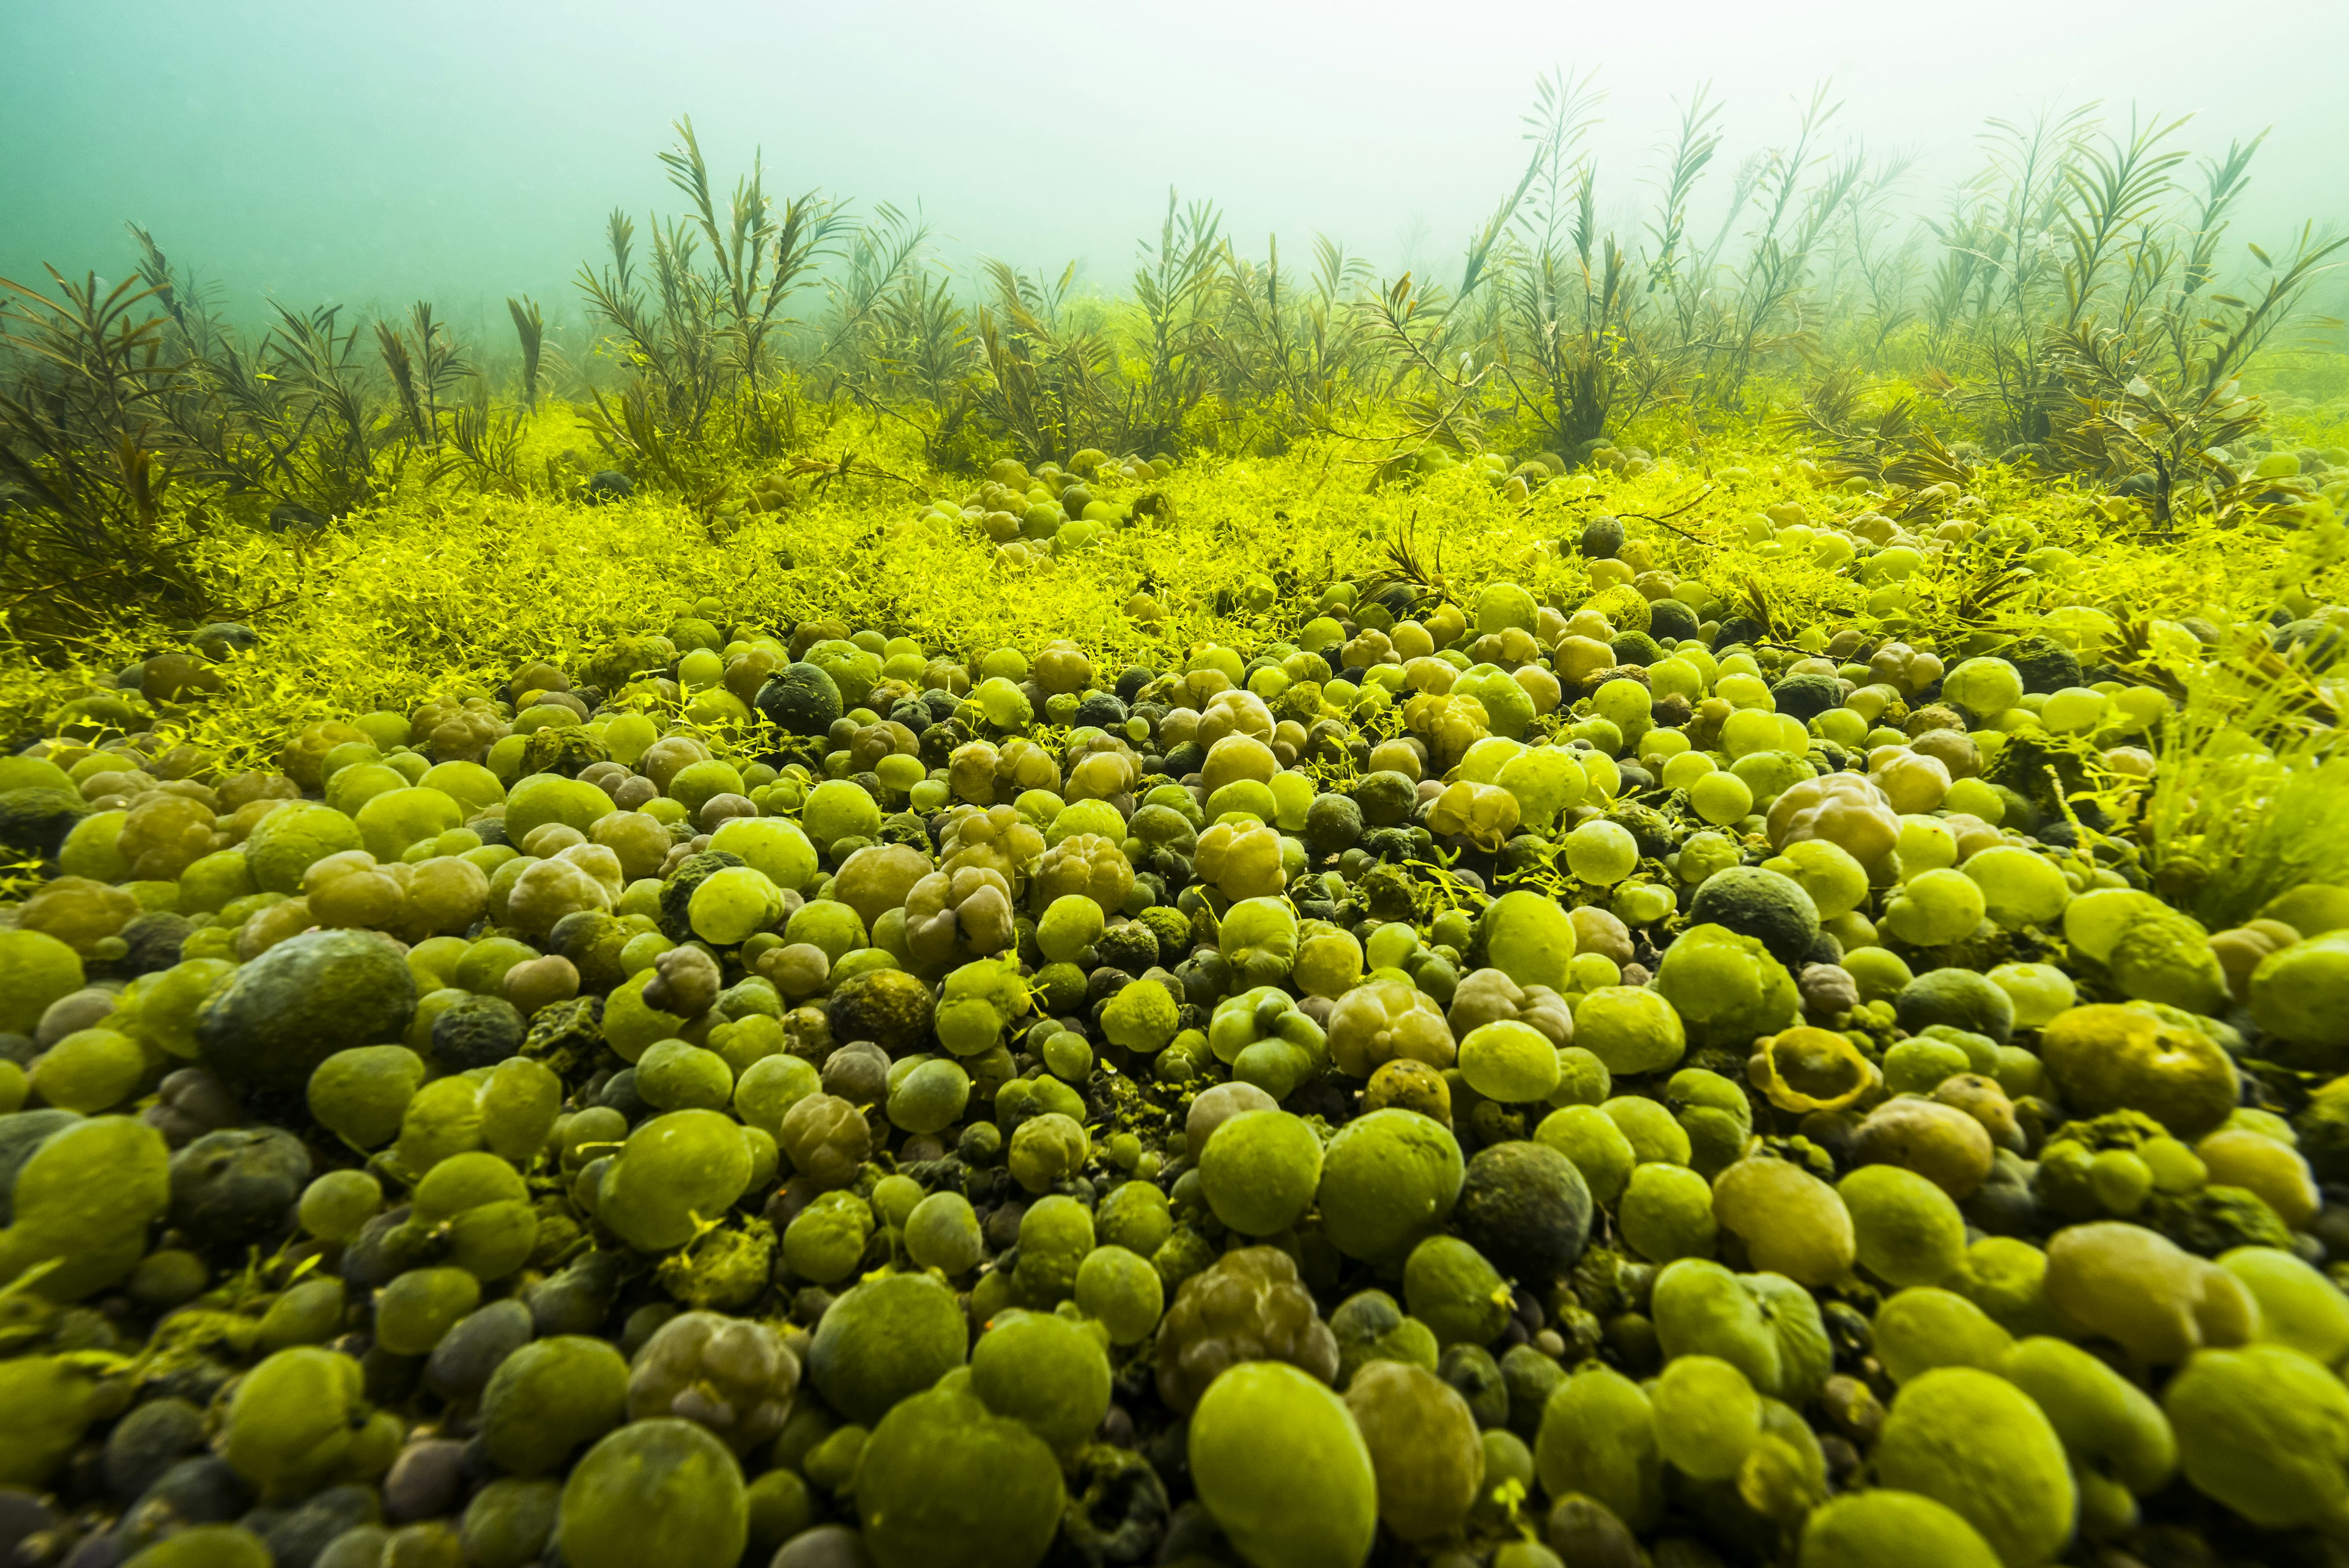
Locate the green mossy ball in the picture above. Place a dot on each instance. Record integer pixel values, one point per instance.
(51, 1404)
(1452, 1288)
(1960, 998)
(1598, 1440)
(884, 1341)
(2103, 1419)
(1525, 1206)
(1974, 1442)
(1045, 1371)
(2106, 1058)
(1528, 938)
(1388, 1179)
(1726, 988)
(207, 1546)
(544, 798)
(299, 1003)
(943, 1479)
(1887, 1528)
(1282, 1469)
(548, 1398)
(1772, 909)
(660, 1490)
(83, 1199)
(1260, 1170)
(293, 1421)
(1907, 1230)
(509, 1523)
(1764, 1325)
(1667, 1214)
(35, 970)
(2265, 1431)
(296, 837)
(1510, 1062)
(1423, 1446)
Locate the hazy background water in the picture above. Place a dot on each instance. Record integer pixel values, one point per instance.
(318, 149)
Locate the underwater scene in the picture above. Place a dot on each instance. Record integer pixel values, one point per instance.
(1037, 786)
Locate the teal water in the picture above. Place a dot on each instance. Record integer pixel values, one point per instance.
(375, 154)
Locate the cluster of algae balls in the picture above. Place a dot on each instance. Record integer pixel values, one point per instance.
(1526, 1085)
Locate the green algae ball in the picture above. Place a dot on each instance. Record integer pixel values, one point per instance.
(1708, 1416)
(1960, 998)
(550, 1397)
(1451, 1287)
(732, 905)
(393, 821)
(1524, 1205)
(1924, 1328)
(1882, 1528)
(884, 1340)
(824, 1240)
(943, 1479)
(1044, 1371)
(660, 1490)
(89, 1071)
(674, 1076)
(1260, 1170)
(35, 970)
(1055, 1235)
(837, 809)
(1598, 1439)
(310, 995)
(1594, 1144)
(1630, 1029)
(2007, 1278)
(1655, 1134)
(1792, 1222)
(1282, 1467)
(1425, 1448)
(1119, 1290)
(1764, 1325)
(1667, 1214)
(362, 1094)
(1726, 989)
(1370, 1325)
(802, 698)
(2106, 1058)
(2144, 1291)
(1388, 1180)
(50, 1405)
(544, 798)
(673, 1173)
(509, 1523)
(418, 1307)
(206, 1546)
(2104, 1421)
(2301, 993)
(294, 1419)
(769, 845)
(1503, 605)
(1528, 938)
(81, 1203)
(942, 1233)
(1980, 1445)
(2298, 1307)
(1510, 1062)
(299, 834)
(2265, 1431)
(1907, 1231)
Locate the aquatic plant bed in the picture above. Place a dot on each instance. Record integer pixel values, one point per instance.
(1290, 1011)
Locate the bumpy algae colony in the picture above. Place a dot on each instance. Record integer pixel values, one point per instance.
(1751, 991)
